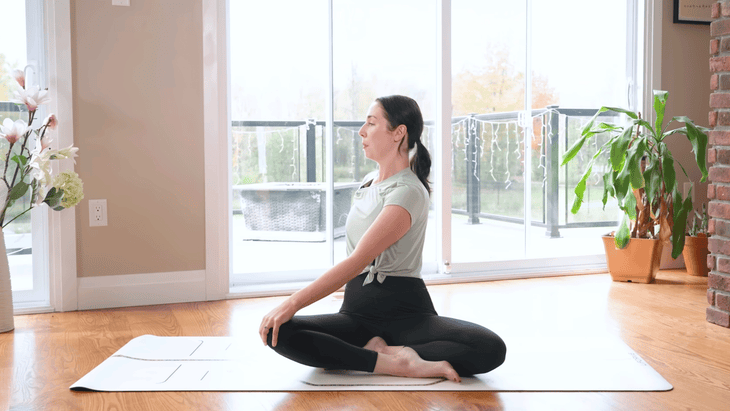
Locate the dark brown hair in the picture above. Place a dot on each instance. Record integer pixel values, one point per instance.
(404, 110)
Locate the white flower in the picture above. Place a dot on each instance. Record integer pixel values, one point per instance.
(72, 186)
(68, 152)
(31, 97)
(51, 121)
(19, 76)
(13, 130)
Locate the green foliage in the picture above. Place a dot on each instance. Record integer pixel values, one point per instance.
(641, 174)
(700, 222)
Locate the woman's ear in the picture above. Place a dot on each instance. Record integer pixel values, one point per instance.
(400, 132)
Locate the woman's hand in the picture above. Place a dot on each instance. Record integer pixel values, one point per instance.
(273, 320)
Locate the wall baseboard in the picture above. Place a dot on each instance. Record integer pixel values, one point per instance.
(141, 289)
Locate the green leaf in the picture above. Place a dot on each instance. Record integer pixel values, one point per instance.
(580, 189)
(653, 181)
(660, 103)
(608, 189)
(18, 191)
(20, 160)
(629, 113)
(623, 235)
(681, 210)
(699, 146)
(629, 205)
(618, 148)
(670, 176)
(573, 150)
(621, 184)
(53, 197)
(636, 154)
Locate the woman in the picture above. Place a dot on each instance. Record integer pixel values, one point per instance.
(387, 323)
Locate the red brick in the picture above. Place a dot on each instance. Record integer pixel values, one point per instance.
(723, 118)
(711, 153)
(719, 137)
(722, 193)
(720, 282)
(720, 246)
(714, 82)
(711, 297)
(712, 118)
(715, 10)
(720, 175)
(724, 82)
(715, 316)
(724, 45)
(711, 262)
(721, 228)
(720, 100)
(724, 9)
(722, 156)
(715, 46)
(719, 28)
(711, 192)
(722, 301)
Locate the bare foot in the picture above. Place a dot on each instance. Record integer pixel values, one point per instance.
(407, 363)
(378, 344)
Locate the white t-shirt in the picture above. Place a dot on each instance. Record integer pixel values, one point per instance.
(403, 258)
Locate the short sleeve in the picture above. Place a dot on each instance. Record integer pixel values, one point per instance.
(407, 197)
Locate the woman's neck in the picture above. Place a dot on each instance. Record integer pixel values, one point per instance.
(391, 168)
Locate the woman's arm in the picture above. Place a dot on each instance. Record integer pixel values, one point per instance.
(390, 226)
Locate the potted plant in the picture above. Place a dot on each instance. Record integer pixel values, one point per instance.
(641, 177)
(695, 246)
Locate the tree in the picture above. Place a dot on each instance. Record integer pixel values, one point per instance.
(7, 83)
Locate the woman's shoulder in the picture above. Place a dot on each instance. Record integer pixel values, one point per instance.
(405, 181)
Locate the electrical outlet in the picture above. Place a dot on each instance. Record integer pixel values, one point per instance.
(97, 213)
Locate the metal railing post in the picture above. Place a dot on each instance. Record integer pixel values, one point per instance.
(552, 168)
(311, 150)
(473, 201)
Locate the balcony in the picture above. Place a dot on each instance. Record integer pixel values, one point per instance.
(487, 181)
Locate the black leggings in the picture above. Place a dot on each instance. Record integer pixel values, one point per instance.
(399, 311)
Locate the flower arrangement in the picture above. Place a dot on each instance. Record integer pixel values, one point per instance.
(26, 162)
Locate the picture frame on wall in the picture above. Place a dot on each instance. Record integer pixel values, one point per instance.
(693, 11)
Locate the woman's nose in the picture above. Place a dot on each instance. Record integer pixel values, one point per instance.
(361, 133)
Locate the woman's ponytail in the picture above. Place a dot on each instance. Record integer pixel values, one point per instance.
(421, 164)
(404, 110)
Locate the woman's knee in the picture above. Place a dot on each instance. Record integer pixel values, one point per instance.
(492, 353)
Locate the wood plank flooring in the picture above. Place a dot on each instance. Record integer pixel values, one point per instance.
(663, 322)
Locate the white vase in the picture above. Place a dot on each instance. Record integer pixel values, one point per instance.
(6, 293)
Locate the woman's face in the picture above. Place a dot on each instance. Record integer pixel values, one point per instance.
(377, 141)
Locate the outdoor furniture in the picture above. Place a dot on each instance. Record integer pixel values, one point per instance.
(292, 211)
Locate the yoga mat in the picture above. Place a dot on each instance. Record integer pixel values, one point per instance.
(565, 363)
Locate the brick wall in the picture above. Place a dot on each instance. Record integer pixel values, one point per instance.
(718, 155)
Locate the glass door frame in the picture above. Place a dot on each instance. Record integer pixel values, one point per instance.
(446, 269)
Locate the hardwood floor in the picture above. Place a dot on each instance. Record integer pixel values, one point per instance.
(663, 322)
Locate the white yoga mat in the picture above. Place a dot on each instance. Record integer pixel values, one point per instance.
(567, 363)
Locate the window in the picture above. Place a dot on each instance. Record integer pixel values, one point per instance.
(25, 237)
(525, 77)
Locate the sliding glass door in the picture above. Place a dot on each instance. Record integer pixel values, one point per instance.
(22, 47)
(525, 76)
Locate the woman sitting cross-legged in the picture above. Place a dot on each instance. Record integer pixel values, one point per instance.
(387, 323)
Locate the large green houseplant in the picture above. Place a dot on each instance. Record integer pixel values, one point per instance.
(641, 175)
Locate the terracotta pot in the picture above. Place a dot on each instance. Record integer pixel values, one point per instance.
(695, 255)
(637, 263)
